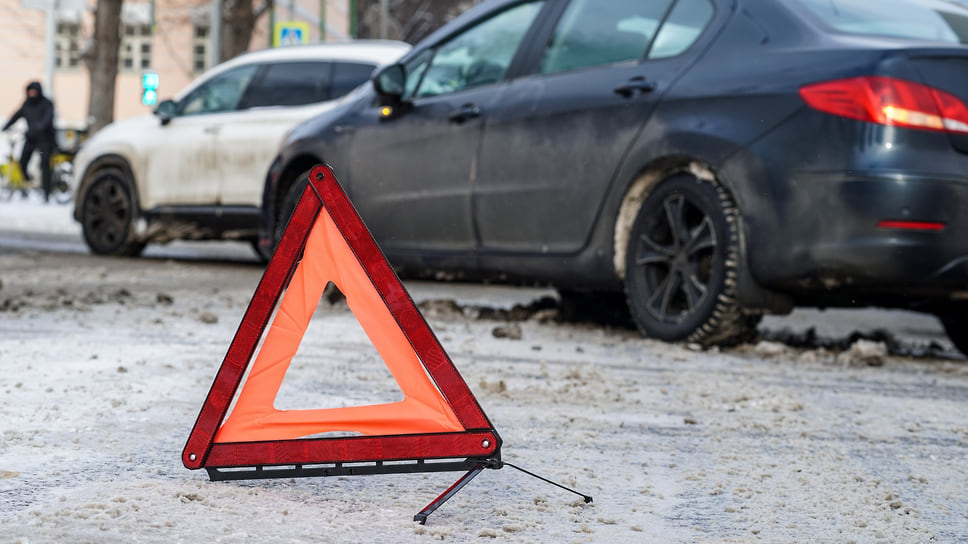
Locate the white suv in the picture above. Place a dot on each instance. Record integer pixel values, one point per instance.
(196, 168)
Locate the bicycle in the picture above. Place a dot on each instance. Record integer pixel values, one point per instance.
(13, 179)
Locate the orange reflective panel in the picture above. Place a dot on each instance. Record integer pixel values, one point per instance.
(328, 258)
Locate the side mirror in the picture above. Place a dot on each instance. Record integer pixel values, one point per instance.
(166, 110)
(390, 83)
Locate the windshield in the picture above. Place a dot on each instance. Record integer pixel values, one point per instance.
(930, 20)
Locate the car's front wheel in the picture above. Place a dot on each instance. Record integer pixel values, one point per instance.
(681, 264)
(108, 214)
(288, 206)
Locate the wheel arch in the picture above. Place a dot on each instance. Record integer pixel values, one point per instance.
(638, 190)
(749, 293)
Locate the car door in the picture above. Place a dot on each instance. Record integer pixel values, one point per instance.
(412, 171)
(554, 139)
(183, 168)
(280, 95)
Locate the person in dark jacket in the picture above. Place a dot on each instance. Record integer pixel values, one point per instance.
(38, 111)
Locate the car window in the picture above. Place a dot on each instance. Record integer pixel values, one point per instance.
(348, 76)
(930, 20)
(480, 55)
(682, 28)
(289, 84)
(598, 32)
(221, 93)
(414, 69)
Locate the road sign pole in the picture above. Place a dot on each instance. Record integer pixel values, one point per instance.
(50, 47)
(272, 25)
(215, 55)
(384, 19)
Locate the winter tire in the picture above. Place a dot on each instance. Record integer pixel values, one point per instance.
(288, 206)
(108, 214)
(681, 264)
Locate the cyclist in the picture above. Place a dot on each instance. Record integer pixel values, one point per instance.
(38, 111)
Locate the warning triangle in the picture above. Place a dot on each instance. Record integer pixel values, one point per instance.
(438, 425)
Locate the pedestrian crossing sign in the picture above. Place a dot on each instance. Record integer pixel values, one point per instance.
(290, 33)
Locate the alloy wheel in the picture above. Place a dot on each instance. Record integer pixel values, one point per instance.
(675, 257)
(108, 213)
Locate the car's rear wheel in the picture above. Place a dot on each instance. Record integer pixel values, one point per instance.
(108, 214)
(681, 264)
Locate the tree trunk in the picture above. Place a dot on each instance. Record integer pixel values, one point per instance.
(238, 22)
(102, 63)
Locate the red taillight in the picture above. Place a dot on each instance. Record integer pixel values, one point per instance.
(910, 225)
(889, 101)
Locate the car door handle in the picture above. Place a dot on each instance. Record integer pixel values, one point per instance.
(465, 112)
(212, 129)
(637, 84)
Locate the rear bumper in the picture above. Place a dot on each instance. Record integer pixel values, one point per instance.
(829, 234)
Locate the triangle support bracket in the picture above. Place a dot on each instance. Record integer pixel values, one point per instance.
(421, 516)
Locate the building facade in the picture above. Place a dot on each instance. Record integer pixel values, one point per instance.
(171, 38)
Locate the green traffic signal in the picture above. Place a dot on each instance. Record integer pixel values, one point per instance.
(149, 86)
(150, 81)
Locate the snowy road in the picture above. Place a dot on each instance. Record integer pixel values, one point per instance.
(105, 363)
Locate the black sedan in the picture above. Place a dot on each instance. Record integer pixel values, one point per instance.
(706, 161)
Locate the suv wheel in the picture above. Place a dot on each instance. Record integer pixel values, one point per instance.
(108, 214)
(681, 264)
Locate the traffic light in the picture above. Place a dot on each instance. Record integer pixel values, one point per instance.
(149, 88)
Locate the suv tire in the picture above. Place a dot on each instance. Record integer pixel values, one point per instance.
(108, 215)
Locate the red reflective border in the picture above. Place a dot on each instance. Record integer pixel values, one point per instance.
(353, 450)
(201, 451)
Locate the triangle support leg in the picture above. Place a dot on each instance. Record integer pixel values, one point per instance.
(421, 516)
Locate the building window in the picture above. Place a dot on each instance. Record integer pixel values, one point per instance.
(200, 47)
(67, 45)
(135, 48)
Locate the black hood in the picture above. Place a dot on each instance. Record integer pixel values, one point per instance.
(36, 86)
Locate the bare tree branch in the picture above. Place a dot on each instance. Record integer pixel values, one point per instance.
(410, 20)
(266, 6)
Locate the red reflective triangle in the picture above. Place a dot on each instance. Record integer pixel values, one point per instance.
(326, 241)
